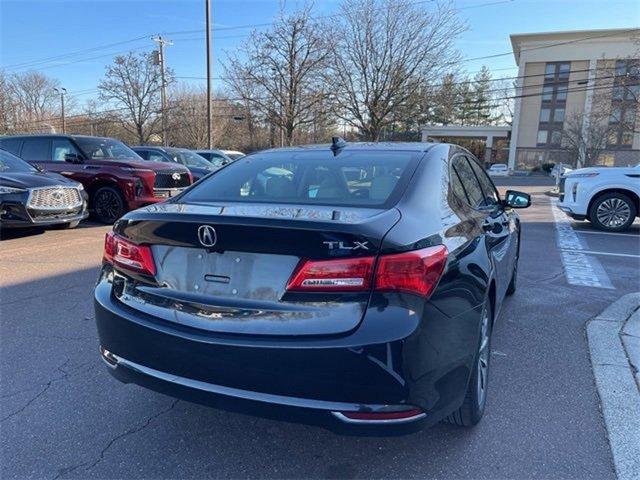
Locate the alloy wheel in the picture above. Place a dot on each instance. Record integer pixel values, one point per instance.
(613, 212)
(107, 205)
(483, 360)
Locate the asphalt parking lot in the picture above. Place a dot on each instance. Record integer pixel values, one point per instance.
(63, 416)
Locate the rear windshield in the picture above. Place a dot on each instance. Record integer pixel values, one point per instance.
(357, 179)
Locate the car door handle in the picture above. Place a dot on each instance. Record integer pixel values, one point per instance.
(90, 167)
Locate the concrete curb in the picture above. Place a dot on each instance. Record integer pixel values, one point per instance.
(614, 344)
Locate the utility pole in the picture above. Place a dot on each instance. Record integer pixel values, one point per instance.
(62, 91)
(208, 23)
(163, 90)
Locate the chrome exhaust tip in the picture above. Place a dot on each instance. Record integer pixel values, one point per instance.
(109, 358)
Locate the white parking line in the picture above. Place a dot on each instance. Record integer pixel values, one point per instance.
(591, 252)
(608, 233)
(579, 268)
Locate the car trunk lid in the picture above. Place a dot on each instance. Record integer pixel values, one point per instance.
(225, 268)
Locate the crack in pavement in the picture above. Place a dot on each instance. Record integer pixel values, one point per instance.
(131, 431)
(41, 392)
(65, 375)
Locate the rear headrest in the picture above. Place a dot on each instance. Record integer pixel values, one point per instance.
(279, 187)
(381, 187)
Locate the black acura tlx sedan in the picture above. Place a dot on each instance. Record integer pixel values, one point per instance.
(354, 282)
(30, 198)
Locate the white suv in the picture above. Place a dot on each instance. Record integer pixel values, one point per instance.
(607, 197)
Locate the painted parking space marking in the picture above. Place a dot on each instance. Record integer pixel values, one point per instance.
(608, 233)
(579, 268)
(592, 252)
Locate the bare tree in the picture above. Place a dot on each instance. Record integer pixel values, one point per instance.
(132, 82)
(613, 118)
(585, 139)
(383, 53)
(279, 72)
(30, 99)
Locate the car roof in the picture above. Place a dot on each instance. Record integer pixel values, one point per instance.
(56, 135)
(372, 146)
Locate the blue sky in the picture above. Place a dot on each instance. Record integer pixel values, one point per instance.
(35, 30)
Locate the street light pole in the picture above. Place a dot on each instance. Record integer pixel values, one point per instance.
(62, 91)
(163, 89)
(208, 36)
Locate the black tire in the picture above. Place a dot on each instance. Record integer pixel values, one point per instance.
(474, 403)
(612, 212)
(66, 226)
(513, 284)
(108, 205)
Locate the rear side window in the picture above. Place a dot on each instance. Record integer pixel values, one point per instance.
(490, 196)
(11, 145)
(469, 181)
(358, 179)
(36, 149)
(143, 153)
(61, 147)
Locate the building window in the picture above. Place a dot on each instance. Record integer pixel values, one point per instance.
(554, 100)
(624, 101)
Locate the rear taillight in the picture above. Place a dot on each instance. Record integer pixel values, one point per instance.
(416, 272)
(342, 275)
(125, 254)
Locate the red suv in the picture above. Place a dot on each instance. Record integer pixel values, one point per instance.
(115, 177)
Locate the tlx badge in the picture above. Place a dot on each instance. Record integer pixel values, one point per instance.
(346, 246)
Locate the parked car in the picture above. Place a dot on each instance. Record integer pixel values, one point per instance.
(609, 197)
(278, 281)
(197, 165)
(234, 154)
(30, 198)
(217, 157)
(498, 170)
(114, 176)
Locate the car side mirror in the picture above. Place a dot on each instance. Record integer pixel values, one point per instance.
(38, 168)
(515, 199)
(73, 158)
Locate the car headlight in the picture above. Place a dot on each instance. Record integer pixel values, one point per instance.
(80, 187)
(10, 189)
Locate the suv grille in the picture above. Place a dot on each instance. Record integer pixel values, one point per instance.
(167, 180)
(55, 198)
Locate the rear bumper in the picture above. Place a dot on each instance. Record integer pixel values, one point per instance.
(131, 372)
(358, 372)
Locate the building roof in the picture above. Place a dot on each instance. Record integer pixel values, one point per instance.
(540, 40)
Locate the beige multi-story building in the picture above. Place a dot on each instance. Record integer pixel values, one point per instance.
(576, 98)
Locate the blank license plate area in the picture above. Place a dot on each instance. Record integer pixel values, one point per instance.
(257, 276)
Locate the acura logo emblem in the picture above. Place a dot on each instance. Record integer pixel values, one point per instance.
(207, 236)
(57, 194)
(176, 176)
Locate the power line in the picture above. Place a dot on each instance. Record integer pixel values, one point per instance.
(577, 89)
(33, 63)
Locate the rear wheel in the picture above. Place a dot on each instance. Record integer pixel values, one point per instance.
(108, 204)
(612, 212)
(475, 399)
